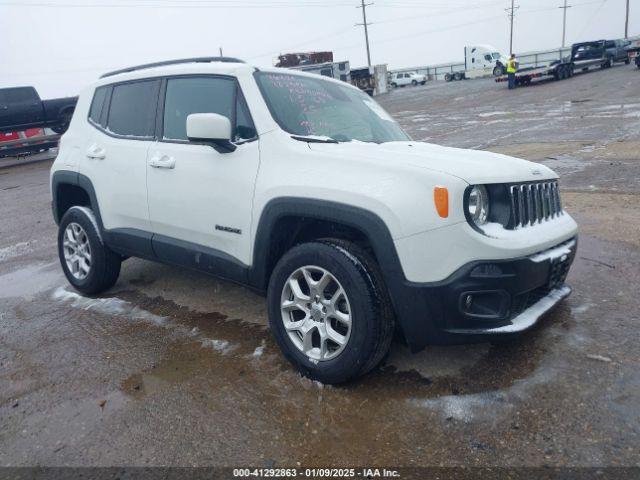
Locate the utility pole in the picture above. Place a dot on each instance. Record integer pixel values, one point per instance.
(564, 21)
(366, 31)
(512, 13)
(626, 23)
(221, 52)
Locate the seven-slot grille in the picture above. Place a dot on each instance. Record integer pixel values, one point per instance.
(533, 203)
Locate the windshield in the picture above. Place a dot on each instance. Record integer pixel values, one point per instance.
(496, 55)
(317, 107)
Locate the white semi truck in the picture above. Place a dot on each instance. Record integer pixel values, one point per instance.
(480, 61)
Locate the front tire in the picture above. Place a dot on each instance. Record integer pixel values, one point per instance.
(90, 266)
(329, 310)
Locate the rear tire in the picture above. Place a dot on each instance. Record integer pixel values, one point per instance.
(394, 85)
(90, 266)
(366, 301)
(63, 125)
(448, 77)
(414, 83)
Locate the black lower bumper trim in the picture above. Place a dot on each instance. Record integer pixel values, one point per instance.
(486, 298)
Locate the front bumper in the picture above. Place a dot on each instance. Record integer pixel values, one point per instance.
(484, 299)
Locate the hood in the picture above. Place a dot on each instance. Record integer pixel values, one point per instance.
(472, 166)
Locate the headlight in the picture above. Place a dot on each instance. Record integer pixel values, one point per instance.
(478, 205)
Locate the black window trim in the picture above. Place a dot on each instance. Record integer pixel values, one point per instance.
(159, 132)
(106, 107)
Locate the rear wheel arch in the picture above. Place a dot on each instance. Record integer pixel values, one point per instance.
(71, 189)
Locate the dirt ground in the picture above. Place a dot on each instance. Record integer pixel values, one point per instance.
(175, 368)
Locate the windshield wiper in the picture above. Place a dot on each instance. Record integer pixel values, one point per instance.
(314, 139)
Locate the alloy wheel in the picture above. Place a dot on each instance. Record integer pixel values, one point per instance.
(316, 313)
(77, 251)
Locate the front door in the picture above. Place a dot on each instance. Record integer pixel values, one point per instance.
(197, 196)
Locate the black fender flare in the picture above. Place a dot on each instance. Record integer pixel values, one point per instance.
(370, 224)
(69, 177)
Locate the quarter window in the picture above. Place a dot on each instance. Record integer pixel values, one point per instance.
(97, 105)
(244, 129)
(133, 109)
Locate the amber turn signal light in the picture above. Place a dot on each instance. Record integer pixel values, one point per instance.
(441, 199)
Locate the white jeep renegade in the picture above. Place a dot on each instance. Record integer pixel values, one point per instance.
(305, 189)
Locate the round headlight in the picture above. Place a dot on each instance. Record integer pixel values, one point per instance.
(478, 205)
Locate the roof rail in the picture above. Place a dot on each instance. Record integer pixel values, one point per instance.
(174, 62)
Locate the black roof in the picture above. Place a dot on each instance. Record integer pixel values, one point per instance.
(174, 62)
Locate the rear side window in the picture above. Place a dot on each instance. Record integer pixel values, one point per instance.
(19, 95)
(97, 105)
(196, 95)
(132, 110)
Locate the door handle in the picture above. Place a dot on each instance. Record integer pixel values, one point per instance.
(96, 152)
(162, 161)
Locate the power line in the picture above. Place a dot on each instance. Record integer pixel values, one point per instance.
(364, 23)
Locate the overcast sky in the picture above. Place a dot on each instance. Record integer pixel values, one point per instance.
(61, 45)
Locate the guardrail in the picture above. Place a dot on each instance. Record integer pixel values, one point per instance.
(526, 59)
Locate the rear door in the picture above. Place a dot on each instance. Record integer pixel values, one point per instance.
(122, 128)
(199, 196)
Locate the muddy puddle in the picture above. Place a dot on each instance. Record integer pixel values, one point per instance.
(211, 352)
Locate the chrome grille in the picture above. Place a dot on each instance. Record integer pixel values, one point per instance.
(533, 203)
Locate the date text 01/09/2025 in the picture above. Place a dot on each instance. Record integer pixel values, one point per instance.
(315, 473)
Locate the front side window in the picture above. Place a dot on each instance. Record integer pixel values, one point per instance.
(132, 110)
(185, 96)
(314, 106)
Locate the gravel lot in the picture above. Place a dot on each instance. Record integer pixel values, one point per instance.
(175, 368)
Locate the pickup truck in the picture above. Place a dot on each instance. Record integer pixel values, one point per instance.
(617, 50)
(21, 108)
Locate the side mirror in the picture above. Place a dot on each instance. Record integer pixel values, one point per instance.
(212, 129)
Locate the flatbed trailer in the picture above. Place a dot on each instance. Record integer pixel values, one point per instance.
(558, 70)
